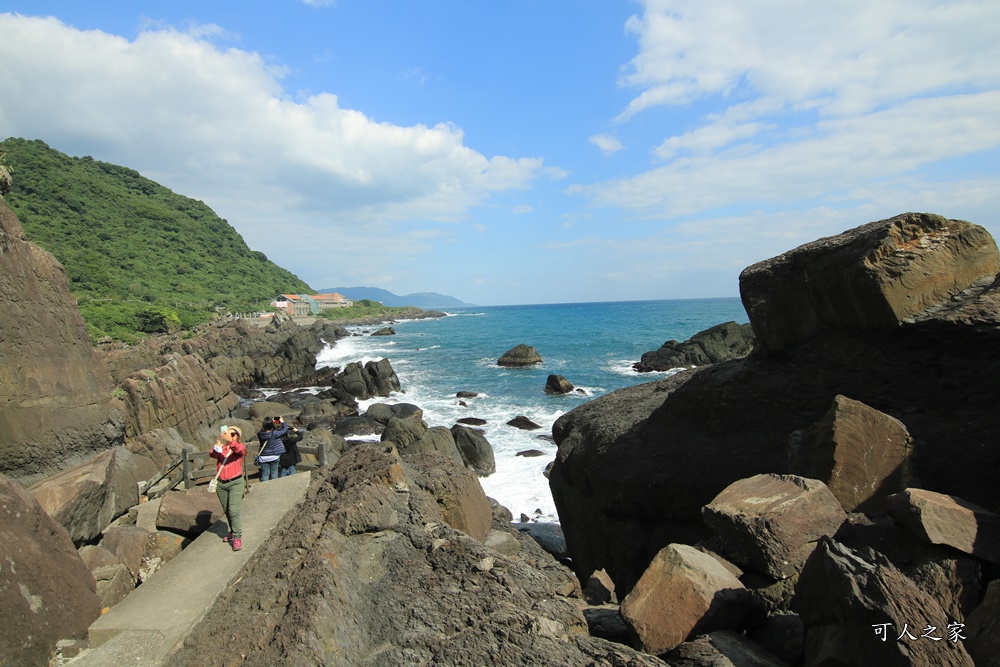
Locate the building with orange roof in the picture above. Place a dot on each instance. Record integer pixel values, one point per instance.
(298, 305)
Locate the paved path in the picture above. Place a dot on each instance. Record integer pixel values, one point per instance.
(154, 620)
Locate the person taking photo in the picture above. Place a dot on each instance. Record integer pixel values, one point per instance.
(271, 447)
(229, 452)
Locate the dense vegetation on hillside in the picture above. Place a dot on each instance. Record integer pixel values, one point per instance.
(140, 258)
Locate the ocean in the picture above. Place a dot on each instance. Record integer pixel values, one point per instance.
(593, 345)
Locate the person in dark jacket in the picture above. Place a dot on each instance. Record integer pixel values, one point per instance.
(288, 460)
(271, 447)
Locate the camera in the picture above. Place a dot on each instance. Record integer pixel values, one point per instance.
(276, 419)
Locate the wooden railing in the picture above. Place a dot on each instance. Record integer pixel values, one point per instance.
(191, 467)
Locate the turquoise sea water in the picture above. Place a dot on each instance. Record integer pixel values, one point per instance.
(593, 345)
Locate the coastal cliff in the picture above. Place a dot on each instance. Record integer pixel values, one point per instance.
(55, 392)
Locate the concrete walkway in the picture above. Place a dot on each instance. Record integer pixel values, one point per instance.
(153, 621)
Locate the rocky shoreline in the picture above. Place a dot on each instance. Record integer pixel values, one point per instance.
(770, 507)
(415, 314)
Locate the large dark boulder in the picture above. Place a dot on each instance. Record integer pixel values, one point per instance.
(383, 412)
(854, 605)
(476, 450)
(461, 500)
(983, 629)
(46, 591)
(375, 378)
(871, 278)
(412, 436)
(355, 426)
(635, 467)
(722, 342)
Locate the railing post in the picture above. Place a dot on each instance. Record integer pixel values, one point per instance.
(321, 454)
(186, 471)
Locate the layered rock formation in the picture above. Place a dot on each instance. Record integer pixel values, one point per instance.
(871, 278)
(182, 394)
(180, 385)
(901, 315)
(238, 352)
(55, 394)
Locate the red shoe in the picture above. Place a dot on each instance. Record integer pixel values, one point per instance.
(237, 544)
(228, 538)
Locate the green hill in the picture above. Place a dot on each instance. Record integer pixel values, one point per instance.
(140, 258)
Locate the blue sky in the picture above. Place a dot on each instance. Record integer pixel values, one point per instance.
(524, 151)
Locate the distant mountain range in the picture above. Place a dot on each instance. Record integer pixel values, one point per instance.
(417, 299)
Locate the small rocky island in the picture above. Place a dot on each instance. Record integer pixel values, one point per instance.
(520, 356)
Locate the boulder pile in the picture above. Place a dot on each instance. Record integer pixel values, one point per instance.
(844, 471)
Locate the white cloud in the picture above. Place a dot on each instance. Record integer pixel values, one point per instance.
(607, 143)
(216, 124)
(856, 53)
(800, 103)
(707, 138)
(319, 3)
(835, 155)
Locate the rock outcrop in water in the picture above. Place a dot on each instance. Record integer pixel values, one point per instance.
(519, 356)
(722, 342)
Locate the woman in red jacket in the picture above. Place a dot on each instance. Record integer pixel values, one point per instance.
(229, 450)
